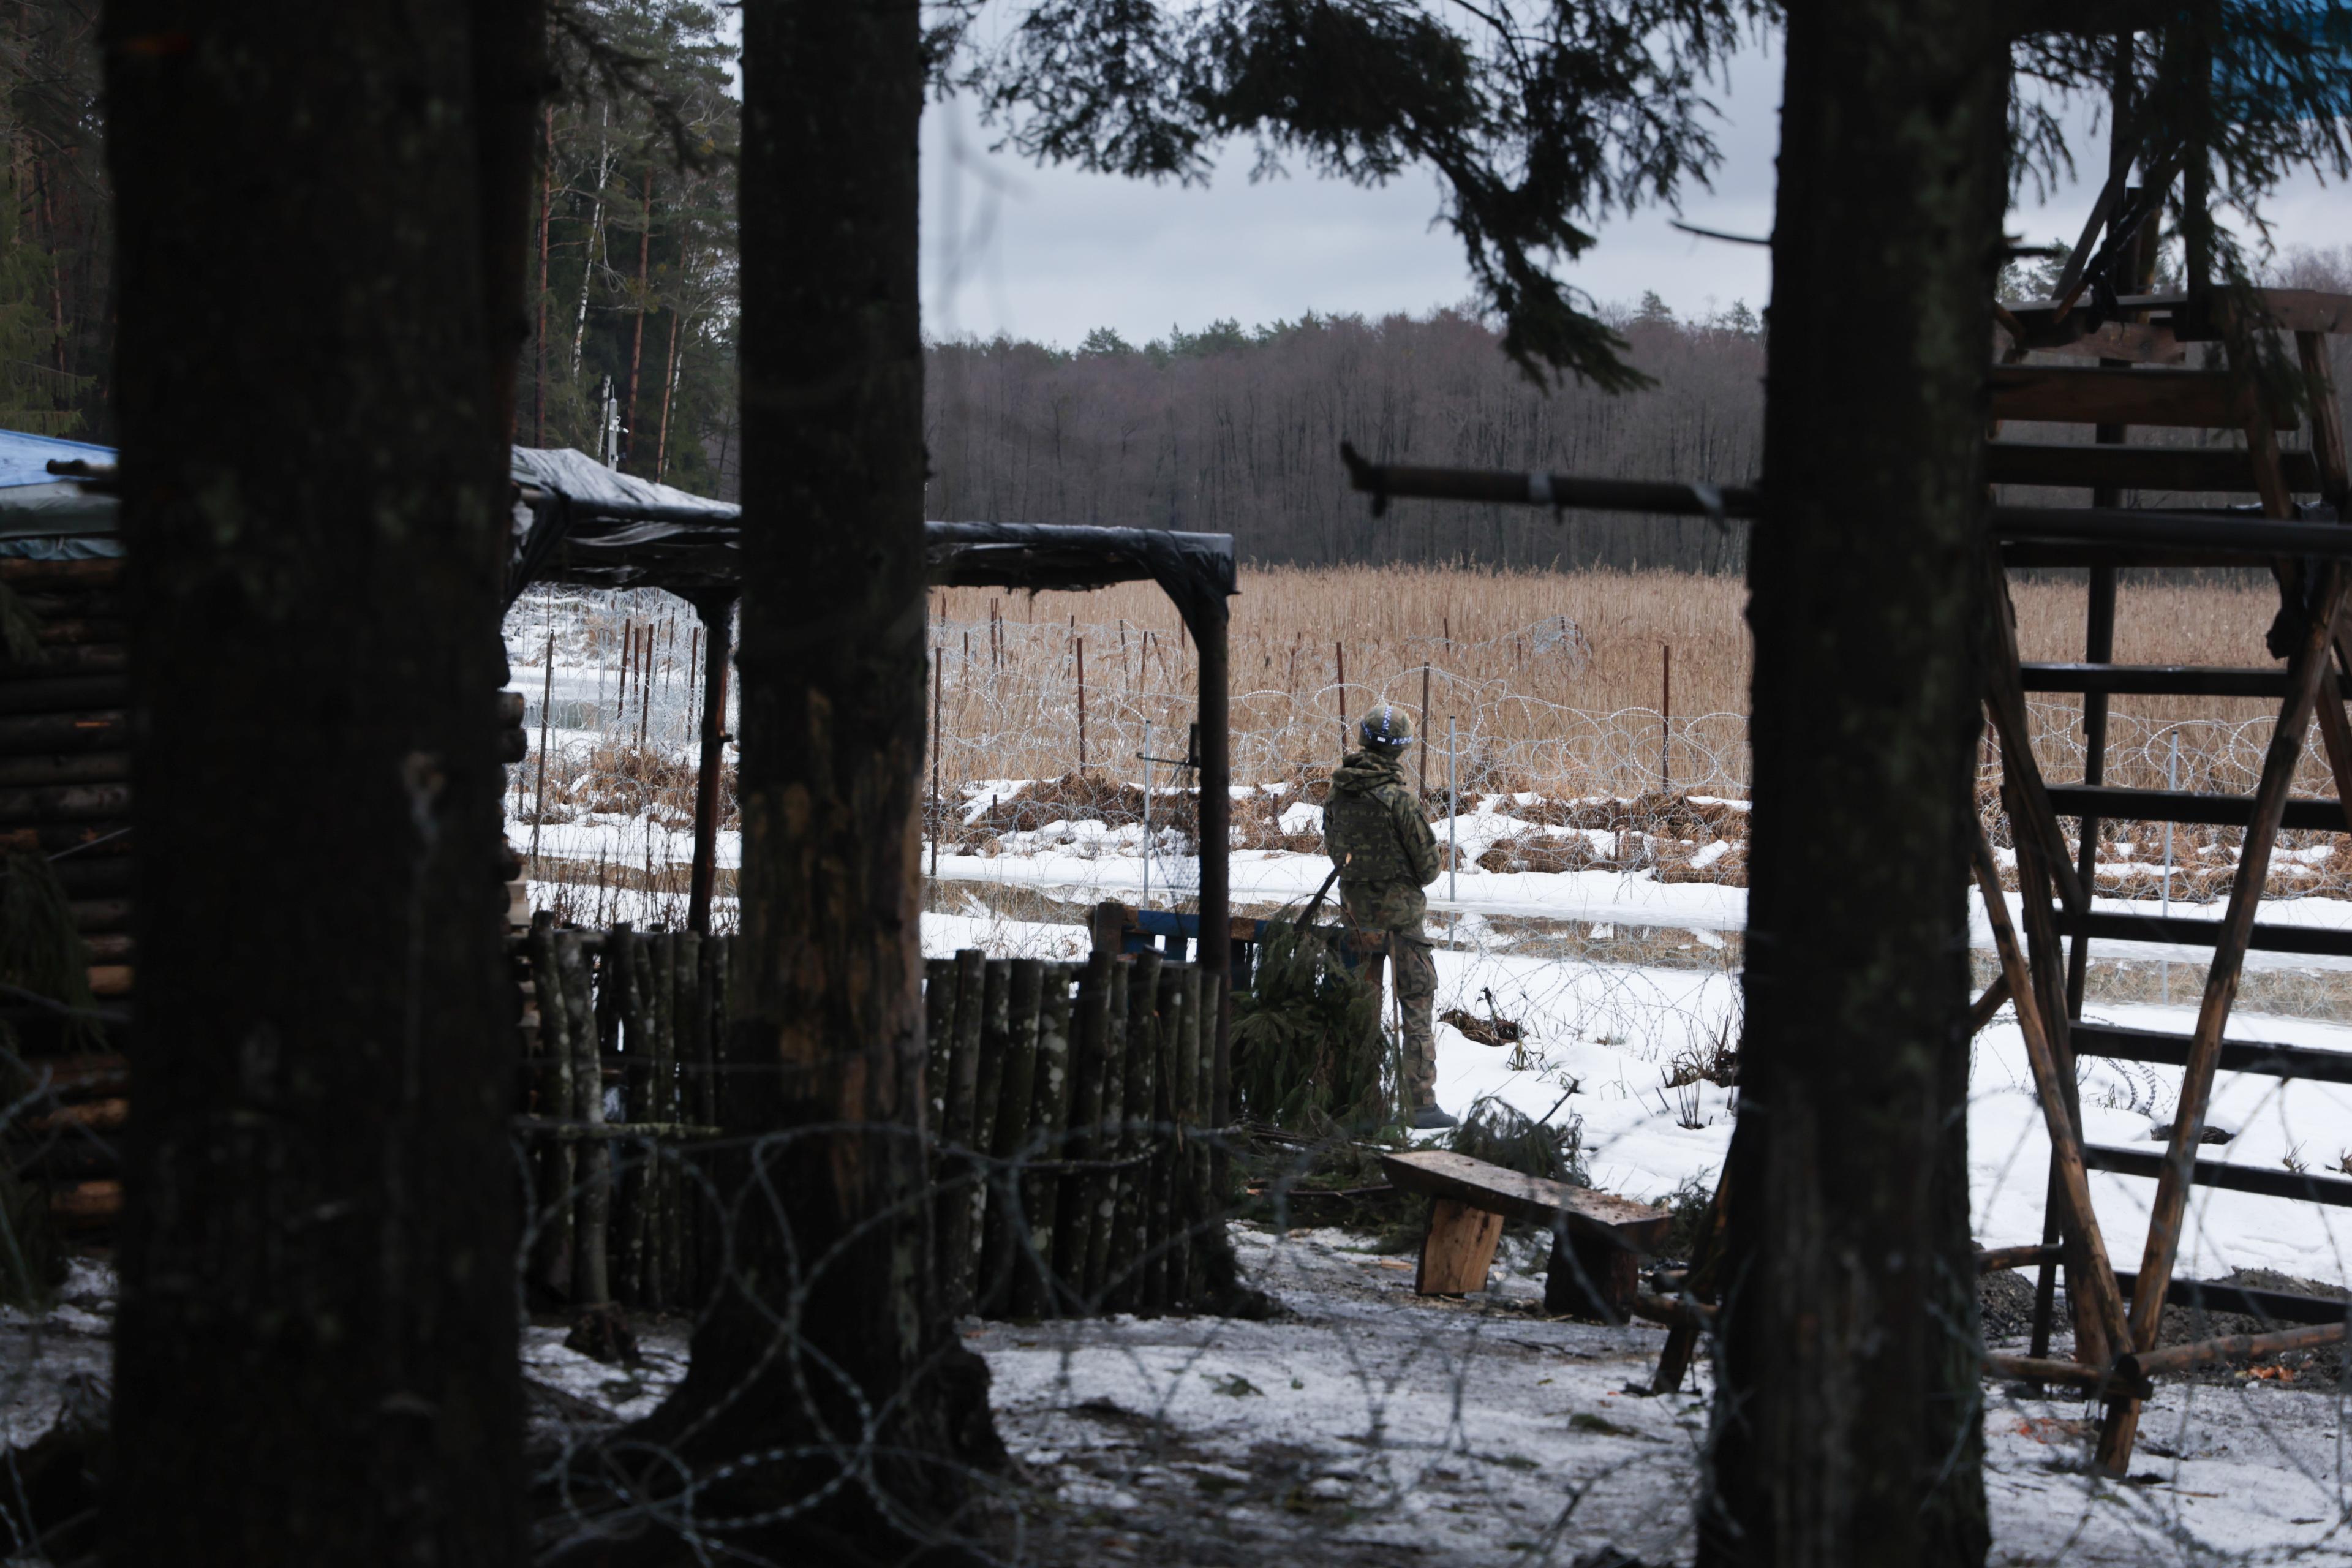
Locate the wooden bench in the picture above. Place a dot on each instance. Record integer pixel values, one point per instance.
(1598, 1240)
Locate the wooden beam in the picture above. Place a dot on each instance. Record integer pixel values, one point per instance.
(2189, 930)
(2005, 702)
(2146, 1364)
(2097, 1280)
(2163, 680)
(2194, 469)
(2264, 1181)
(2309, 1063)
(2328, 451)
(2118, 803)
(1980, 1011)
(2120, 1428)
(2082, 394)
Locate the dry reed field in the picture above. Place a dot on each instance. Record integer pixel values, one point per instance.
(1616, 697)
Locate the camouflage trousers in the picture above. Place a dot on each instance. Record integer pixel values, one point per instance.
(1397, 910)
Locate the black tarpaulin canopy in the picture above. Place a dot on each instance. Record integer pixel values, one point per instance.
(580, 523)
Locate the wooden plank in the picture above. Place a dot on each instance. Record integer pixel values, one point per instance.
(2005, 702)
(2162, 680)
(2117, 1044)
(2187, 931)
(2193, 469)
(2120, 1427)
(1994, 1261)
(1457, 1248)
(2268, 1306)
(2264, 1181)
(2083, 395)
(1980, 1011)
(2117, 803)
(2096, 1279)
(1633, 1227)
(2327, 450)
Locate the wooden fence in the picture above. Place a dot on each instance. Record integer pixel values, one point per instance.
(1065, 1109)
(1072, 1175)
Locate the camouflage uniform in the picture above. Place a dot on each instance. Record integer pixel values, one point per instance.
(1374, 832)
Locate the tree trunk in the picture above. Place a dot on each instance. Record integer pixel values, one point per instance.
(1847, 1421)
(316, 1354)
(637, 339)
(831, 1311)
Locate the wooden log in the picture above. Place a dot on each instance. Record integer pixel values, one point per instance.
(591, 1273)
(2005, 703)
(101, 572)
(100, 914)
(85, 841)
(1130, 1237)
(1010, 1140)
(1994, 1259)
(108, 981)
(62, 693)
(1187, 1200)
(37, 773)
(2063, 1373)
(2119, 1428)
(552, 1160)
(661, 1222)
(988, 1082)
(1102, 1184)
(1457, 1248)
(939, 1041)
(88, 659)
(1089, 1047)
(1994, 998)
(1701, 1282)
(1160, 1195)
(65, 803)
(637, 1094)
(2097, 1279)
(73, 1077)
(1049, 1121)
(1675, 1311)
(2143, 1366)
(955, 1175)
(93, 1116)
(1588, 1278)
(86, 1205)
(81, 633)
(693, 1037)
(75, 730)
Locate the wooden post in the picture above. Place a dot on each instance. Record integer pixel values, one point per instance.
(939, 1039)
(666, 1271)
(590, 1283)
(1162, 1139)
(1217, 954)
(938, 822)
(1123, 1283)
(553, 1172)
(637, 1065)
(1191, 1165)
(1665, 718)
(1082, 704)
(718, 614)
(691, 1033)
(1102, 1190)
(546, 704)
(988, 1082)
(1047, 1140)
(954, 1204)
(1339, 667)
(1089, 1045)
(1425, 730)
(1009, 1134)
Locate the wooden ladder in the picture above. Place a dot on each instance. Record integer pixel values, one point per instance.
(2056, 878)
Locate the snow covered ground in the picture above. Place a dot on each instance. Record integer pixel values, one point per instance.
(1614, 1030)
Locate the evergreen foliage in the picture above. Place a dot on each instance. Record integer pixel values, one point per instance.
(1308, 1049)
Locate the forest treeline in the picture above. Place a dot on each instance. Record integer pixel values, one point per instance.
(630, 291)
(630, 352)
(1234, 431)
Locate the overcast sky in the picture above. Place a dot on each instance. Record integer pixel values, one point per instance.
(1049, 254)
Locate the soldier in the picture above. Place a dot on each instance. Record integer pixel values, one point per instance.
(1374, 832)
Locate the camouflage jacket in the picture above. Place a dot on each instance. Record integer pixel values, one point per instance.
(1375, 834)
